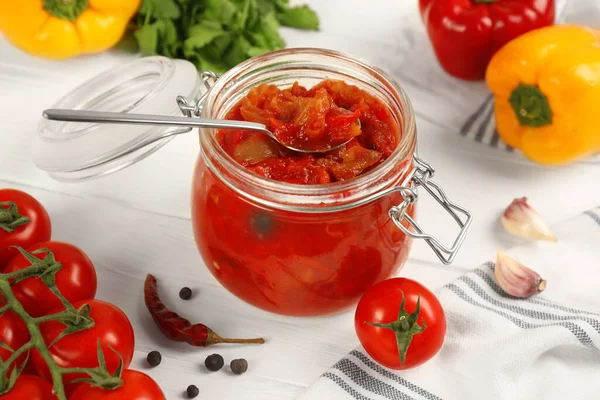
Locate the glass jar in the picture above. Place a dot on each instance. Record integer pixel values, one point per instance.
(301, 250)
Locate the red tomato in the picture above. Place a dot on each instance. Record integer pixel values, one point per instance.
(14, 333)
(136, 386)
(79, 349)
(30, 387)
(381, 305)
(38, 229)
(76, 280)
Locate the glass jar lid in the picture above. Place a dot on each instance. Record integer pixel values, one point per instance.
(75, 151)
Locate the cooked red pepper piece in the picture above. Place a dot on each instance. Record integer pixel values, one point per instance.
(326, 115)
(354, 161)
(466, 33)
(178, 328)
(300, 170)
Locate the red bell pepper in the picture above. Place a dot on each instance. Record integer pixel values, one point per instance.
(466, 33)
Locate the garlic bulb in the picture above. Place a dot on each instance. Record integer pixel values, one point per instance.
(516, 279)
(522, 220)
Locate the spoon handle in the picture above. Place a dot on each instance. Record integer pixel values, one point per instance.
(145, 119)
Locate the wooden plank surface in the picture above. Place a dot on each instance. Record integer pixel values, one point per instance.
(137, 221)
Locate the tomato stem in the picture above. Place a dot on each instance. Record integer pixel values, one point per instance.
(18, 353)
(10, 219)
(36, 339)
(73, 319)
(68, 306)
(4, 309)
(51, 317)
(405, 327)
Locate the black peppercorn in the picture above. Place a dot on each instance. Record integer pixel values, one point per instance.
(185, 293)
(214, 362)
(192, 391)
(239, 366)
(154, 358)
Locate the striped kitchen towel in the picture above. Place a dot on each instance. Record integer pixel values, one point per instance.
(481, 125)
(498, 347)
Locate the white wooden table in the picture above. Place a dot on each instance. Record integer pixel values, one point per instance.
(137, 221)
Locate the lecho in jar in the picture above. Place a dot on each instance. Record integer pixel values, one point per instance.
(300, 234)
(291, 233)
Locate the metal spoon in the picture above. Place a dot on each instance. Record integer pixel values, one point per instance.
(145, 119)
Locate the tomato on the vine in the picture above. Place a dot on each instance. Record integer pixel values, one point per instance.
(136, 386)
(111, 327)
(30, 387)
(400, 323)
(76, 279)
(14, 334)
(23, 222)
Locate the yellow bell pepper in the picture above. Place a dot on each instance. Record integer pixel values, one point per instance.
(59, 29)
(546, 86)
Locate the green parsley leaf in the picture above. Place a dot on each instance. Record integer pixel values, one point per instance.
(202, 34)
(299, 17)
(216, 34)
(267, 34)
(168, 44)
(238, 51)
(219, 10)
(128, 43)
(256, 51)
(160, 9)
(147, 38)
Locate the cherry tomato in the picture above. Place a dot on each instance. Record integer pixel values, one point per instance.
(13, 333)
(112, 327)
(76, 280)
(136, 386)
(38, 229)
(30, 387)
(381, 304)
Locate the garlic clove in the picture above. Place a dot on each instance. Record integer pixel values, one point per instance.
(522, 220)
(516, 279)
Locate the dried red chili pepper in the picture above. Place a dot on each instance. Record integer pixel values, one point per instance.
(178, 328)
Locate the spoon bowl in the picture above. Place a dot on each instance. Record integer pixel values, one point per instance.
(146, 119)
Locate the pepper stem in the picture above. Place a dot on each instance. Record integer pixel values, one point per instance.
(214, 338)
(531, 106)
(485, 1)
(66, 9)
(405, 327)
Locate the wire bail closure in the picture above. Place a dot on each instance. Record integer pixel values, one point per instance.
(422, 174)
(208, 78)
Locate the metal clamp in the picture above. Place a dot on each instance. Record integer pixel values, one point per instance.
(423, 172)
(208, 78)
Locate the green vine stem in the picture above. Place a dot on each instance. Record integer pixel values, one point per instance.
(46, 269)
(18, 353)
(75, 320)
